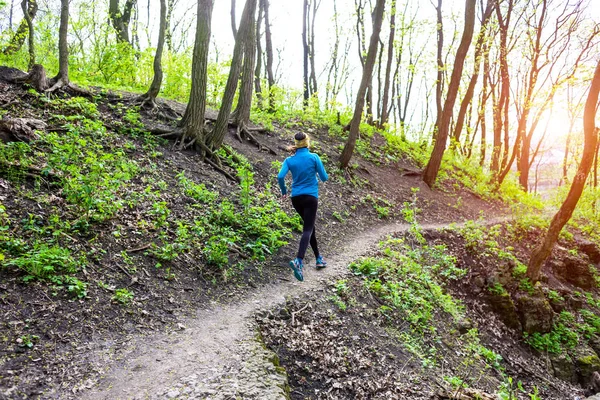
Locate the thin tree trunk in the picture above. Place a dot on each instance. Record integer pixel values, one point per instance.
(258, 69)
(168, 33)
(10, 15)
(16, 41)
(483, 103)
(433, 166)
(158, 72)
(388, 67)
(120, 20)
(311, 48)
(233, 28)
(541, 253)
(439, 83)
(468, 98)
(31, 43)
(269, 51)
(366, 78)
(214, 139)
(242, 111)
(305, 51)
(193, 119)
(500, 107)
(63, 48)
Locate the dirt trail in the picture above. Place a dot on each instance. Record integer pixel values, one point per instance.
(210, 357)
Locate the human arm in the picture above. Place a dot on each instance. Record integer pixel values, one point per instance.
(321, 170)
(281, 177)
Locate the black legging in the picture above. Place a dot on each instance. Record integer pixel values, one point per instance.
(306, 205)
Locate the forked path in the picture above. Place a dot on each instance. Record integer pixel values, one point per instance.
(217, 356)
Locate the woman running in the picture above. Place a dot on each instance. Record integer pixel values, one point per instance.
(305, 166)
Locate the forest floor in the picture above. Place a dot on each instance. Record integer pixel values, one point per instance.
(157, 315)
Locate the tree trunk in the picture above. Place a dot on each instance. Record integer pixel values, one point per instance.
(168, 33)
(10, 14)
(214, 139)
(16, 41)
(311, 48)
(366, 78)
(500, 106)
(565, 166)
(305, 51)
(258, 69)
(565, 212)
(269, 51)
(242, 111)
(433, 166)
(193, 119)
(388, 68)
(31, 43)
(158, 72)
(233, 28)
(479, 46)
(120, 20)
(62, 79)
(439, 83)
(483, 103)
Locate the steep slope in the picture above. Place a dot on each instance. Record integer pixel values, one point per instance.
(108, 233)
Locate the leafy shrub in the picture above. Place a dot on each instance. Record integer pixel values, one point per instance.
(45, 262)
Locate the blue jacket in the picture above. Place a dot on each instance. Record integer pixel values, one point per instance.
(304, 166)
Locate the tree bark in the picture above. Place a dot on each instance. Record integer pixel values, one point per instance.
(542, 252)
(311, 48)
(214, 139)
(120, 20)
(168, 33)
(155, 86)
(433, 166)
(388, 68)
(17, 40)
(62, 79)
(366, 78)
(258, 69)
(500, 106)
(269, 51)
(439, 83)
(242, 111)
(193, 119)
(31, 42)
(305, 51)
(233, 28)
(468, 98)
(483, 103)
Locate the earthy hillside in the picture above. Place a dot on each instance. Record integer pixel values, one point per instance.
(133, 269)
(109, 232)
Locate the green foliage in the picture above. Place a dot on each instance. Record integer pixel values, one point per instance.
(123, 296)
(381, 206)
(28, 341)
(508, 390)
(44, 262)
(563, 336)
(519, 270)
(198, 192)
(497, 289)
(554, 296)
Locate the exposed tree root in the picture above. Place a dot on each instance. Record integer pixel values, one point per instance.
(153, 108)
(242, 131)
(20, 129)
(65, 85)
(180, 143)
(36, 78)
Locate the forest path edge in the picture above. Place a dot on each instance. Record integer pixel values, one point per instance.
(217, 339)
